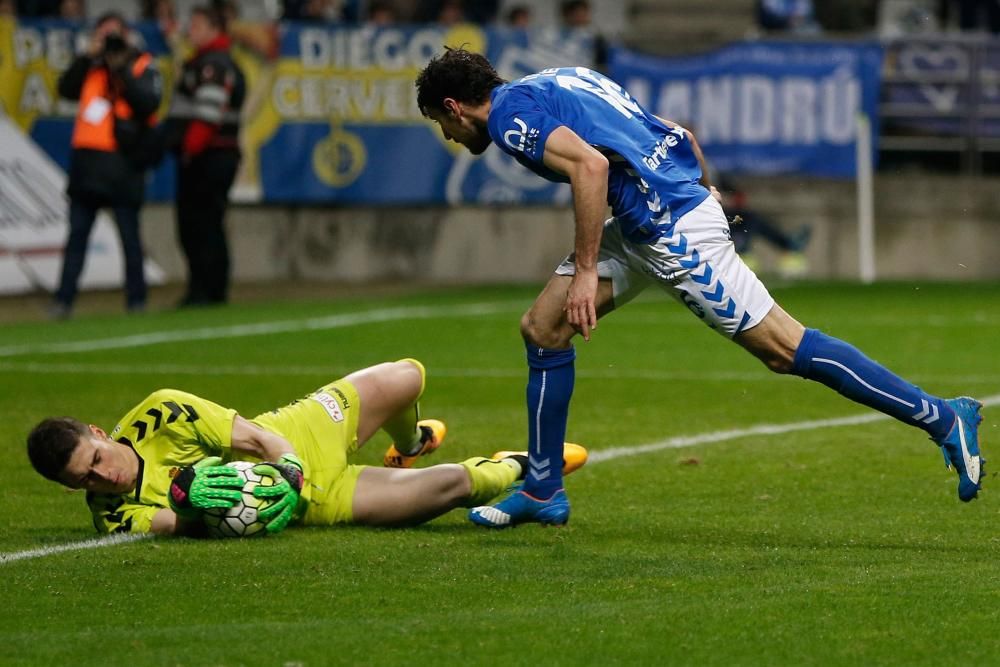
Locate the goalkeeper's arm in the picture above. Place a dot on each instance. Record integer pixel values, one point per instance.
(166, 522)
(248, 438)
(284, 467)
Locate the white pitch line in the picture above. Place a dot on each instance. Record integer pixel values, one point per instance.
(597, 456)
(283, 370)
(95, 543)
(263, 328)
(681, 441)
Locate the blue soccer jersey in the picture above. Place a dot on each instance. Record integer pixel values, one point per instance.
(654, 173)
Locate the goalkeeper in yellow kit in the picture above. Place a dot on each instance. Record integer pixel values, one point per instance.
(159, 468)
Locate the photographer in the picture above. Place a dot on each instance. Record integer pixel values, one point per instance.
(119, 89)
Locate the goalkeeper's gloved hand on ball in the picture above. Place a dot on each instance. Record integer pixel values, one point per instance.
(287, 476)
(205, 485)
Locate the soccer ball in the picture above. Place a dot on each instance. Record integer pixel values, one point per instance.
(241, 519)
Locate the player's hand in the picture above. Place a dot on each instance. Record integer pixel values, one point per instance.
(715, 193)
(287, 478)
(580, 309)
(205, 485)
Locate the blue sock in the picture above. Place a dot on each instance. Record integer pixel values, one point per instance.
(550, 386)
(843, 368)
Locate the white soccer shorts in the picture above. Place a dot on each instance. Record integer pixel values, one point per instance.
(695, 261)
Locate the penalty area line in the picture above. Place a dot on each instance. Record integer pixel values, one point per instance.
(597, 456)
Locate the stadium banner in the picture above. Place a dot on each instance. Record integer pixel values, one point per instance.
(333, 118)
(764, 107)
(340, 120)
(33, 224)
(943, 86)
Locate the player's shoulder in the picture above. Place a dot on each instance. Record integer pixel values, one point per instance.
(162, 406)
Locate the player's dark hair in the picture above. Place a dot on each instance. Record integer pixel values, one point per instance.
(51, 444)
(459, 74)
(211, 13)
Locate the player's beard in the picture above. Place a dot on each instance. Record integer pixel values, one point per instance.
(479, 143)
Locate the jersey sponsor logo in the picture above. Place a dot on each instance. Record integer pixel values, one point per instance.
(517, 138)
(660, 151)
(329, 404)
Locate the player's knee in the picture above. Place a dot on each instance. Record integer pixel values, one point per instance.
(544, 335)
(409, 377)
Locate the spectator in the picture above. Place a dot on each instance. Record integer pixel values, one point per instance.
(381, 14)
(8, 8)
(576, 14)
(749, 224)
(316, 11)
(519, 17)
(205, 120)
(118, 89)
(787, 15)
(163, 12)
(451, 13)
(72, 10)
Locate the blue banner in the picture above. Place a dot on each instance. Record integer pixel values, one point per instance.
(764, 108)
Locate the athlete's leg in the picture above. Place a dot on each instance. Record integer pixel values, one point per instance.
(785, 346)
(551, 374)
(388, 497)
(386, 392)
(701, 268)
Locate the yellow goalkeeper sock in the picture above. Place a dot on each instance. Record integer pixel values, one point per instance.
(402, 427)
(489, 478)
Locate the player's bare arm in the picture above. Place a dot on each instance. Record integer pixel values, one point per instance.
(566, 153)
(696, 149)
(248, 438)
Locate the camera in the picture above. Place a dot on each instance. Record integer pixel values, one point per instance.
(115, 43)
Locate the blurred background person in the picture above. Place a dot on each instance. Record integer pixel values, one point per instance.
(204, 128)
(118, 89)
(795, 16)
(519, 17)
(381, 14)
(72, 10)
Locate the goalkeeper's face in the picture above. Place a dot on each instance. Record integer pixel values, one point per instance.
(101, 465)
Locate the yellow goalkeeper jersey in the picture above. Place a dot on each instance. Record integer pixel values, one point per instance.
(168, 430)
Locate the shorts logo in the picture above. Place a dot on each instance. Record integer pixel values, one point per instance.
(329, 404)
(343, 398)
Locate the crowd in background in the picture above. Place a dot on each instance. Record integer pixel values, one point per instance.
(574, 13)
(796, 16)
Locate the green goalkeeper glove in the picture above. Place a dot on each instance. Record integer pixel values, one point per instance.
(205, 485)
(287, 475)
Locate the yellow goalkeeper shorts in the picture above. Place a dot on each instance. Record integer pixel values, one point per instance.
(323, 428)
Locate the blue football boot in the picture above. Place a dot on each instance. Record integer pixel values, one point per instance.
(519, 507)
(961, 446)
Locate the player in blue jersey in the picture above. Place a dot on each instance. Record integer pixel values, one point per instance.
(574, 125)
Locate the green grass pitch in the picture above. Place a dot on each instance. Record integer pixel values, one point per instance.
(827, 545)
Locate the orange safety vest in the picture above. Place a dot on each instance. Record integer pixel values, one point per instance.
(95, 118)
